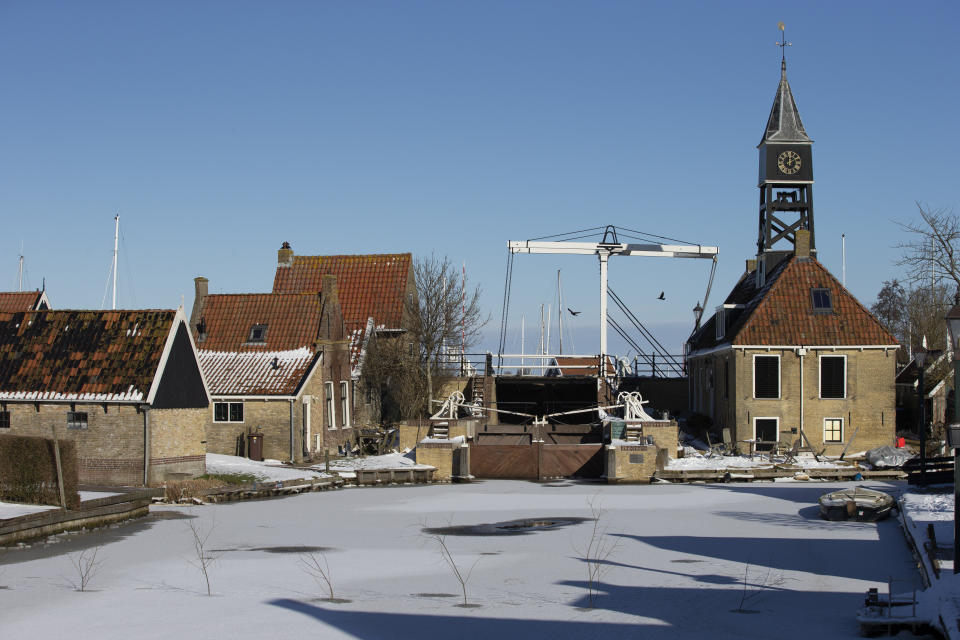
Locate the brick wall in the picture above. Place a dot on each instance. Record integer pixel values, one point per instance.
(869, 403)
(631, 463)
(109, 450)
(177, 445)
(439, 455)
(273, 417)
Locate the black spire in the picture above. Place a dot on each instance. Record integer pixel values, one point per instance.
(784, 124)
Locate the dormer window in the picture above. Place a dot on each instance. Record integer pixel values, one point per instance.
(721, 322)
(258, 333)
(822, 302)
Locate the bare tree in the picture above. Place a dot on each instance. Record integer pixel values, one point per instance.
(458, 573)
(317, 567)
(597, 552)
(444, 315)
(86, 566)
(932, 252)
(203, 560)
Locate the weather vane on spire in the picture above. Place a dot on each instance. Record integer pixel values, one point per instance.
(783, 44)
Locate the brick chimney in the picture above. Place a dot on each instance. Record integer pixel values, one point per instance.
(331, 319)
(285, 255)
(802, 245)
(200, 288)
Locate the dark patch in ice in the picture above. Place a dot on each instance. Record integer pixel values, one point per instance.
(468, 606)
(434, 595)
(490, 553)
(169, 515)
(745, 611)
(299, 548)
(685, 560)
(332, 600)
(509, 528)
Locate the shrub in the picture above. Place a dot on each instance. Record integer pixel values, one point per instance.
(28, 470)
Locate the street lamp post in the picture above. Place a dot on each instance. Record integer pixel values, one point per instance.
(953, 431)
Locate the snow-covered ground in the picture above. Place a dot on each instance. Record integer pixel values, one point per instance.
(683, 555)
(347, 467)
(694, 460)
(15, 509)
(267, 471)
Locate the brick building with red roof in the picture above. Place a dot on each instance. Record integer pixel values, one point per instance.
(125, 386)
(277, 365)
(376, 292)
(791, 354)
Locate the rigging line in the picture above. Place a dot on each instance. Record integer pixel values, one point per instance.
(639, 325)
(126, 262)
(657, 346)
(106, 287)
(568, 233)
(507, 285)
(629, 340)
(706, 297)
(653, 235)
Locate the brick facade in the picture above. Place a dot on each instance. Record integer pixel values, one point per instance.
(110, 450)
(722, 386)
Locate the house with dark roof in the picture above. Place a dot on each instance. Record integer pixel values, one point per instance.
(376, 292)
(13, 301)
(125, 386)
(278, 366)
(790, 353)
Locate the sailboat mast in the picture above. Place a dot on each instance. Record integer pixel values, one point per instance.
(560, 310)
(116, 242)
(20, 270)
(523, 331)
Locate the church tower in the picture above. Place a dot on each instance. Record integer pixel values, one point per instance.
(786, 179)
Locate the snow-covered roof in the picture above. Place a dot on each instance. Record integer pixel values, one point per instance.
(231, 373)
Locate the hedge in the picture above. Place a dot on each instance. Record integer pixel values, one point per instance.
(28, 470)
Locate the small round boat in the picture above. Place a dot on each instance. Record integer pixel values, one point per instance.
(856, 503)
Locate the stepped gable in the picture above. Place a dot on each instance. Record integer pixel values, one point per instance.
(291, 321)
(782, 313)
(369, 286)
(81, 355)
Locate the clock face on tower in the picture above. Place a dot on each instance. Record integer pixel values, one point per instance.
(788, 162)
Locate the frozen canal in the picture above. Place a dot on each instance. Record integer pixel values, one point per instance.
(690, 561)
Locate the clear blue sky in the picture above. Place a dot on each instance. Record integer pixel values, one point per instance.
(220, 129)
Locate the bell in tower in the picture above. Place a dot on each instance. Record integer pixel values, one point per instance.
(786, 177)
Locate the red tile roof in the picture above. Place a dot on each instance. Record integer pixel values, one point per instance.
(292, 321)
(369, 286)
(14, 301)
(782, 313)
(81, 355)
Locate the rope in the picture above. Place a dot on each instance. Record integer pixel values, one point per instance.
(657, 346)
(507, 285)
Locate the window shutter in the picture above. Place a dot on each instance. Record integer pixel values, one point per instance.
(766, 377)
(832, 376)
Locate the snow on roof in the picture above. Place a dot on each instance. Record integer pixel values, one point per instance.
(252, 373)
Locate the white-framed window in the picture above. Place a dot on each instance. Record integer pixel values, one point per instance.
(766, 376)
(720, 322)
(328, 405)
(833, 376)
(344, 404)
(228, 412)
(766, 432)
(833, 429)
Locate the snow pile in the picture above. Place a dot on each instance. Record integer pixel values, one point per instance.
(347, 467)
(266, 471)
(692, 460)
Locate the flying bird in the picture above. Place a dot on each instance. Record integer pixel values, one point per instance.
(660, 297)
(574, 313)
